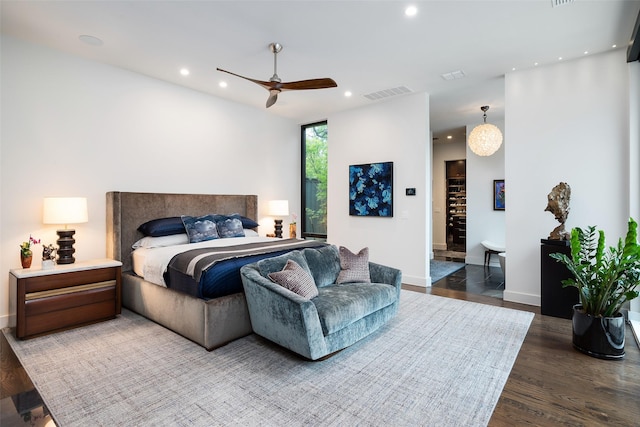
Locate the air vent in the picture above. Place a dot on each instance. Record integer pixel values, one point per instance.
(400, 90)
(454, 75)
(556, 3)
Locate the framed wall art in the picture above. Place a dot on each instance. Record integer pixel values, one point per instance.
(371, 189)
(498, 194)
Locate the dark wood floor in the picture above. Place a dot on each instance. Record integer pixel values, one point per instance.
(551, 384)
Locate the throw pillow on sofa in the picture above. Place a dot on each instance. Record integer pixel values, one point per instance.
(296, 279)
(354, 268)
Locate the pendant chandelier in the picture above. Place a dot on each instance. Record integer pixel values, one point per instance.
(485, 139)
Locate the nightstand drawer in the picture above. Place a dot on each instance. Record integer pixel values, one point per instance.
(45, 304)
(66, 280)
(72, 316)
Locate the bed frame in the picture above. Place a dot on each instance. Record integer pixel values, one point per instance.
(210, 323)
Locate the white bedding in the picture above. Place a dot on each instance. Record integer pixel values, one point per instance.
(151, 263)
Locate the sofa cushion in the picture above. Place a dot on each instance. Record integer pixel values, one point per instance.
(324, 264)
(277, 263)
(296, 279)
(339, 306)
(353, 267)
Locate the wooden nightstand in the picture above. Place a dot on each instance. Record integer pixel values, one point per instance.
(66, 296)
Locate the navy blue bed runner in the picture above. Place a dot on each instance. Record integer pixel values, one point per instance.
(215, 272)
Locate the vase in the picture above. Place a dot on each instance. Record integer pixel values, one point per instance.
(601, 337)
(292, 231)
(26, 260)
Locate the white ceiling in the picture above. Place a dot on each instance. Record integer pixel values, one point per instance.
(365, 46)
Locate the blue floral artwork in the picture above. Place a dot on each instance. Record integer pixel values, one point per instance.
(371, 189)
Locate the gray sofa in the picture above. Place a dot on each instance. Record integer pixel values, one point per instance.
(339, 316)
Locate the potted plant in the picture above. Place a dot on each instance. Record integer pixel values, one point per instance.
(26, 254)
(605, 279)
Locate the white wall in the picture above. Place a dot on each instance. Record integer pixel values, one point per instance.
(484, 223)
(72, 127)
(566, 122)
(443, 152)
(634, 151)
(395, 130)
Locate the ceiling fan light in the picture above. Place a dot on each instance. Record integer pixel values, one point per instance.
(485, 139)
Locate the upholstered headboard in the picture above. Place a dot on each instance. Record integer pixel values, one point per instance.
(126, 211)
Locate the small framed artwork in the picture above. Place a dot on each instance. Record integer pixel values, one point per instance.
(498, 194)
(371, 189)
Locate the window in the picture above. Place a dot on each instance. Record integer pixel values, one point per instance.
(314, 181)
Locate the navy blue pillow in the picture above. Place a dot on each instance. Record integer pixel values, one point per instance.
(229, 225)
(200, 228)
(162, 227)
(248, 222)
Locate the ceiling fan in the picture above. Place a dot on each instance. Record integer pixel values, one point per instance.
(275, 85)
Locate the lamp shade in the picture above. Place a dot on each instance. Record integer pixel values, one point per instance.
(278, 207)
(485, 139)
(65, 210)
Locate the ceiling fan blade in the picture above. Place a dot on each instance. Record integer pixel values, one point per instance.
(273, 97)
(324, 83)
(264, 84)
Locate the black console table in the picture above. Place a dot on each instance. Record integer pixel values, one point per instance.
(555, 300)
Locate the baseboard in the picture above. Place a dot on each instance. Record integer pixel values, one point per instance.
(416, 281)
(414, 288)
(5, 321)
(522, 298)
(439, 246)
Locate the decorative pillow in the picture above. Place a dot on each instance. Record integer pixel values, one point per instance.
(159, 242)
(250, 233)
(200, 228)
(229, 225)
(162, 227)
(354, 268)
(296, 279)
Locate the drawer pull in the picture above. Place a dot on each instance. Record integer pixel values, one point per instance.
(63, 291)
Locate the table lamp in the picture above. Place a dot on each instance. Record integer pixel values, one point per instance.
(65, 210)
(278, 208)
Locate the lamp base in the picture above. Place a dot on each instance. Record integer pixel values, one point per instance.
(65, 246)
(278, 227)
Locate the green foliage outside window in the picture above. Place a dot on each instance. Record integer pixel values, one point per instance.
(316, 163)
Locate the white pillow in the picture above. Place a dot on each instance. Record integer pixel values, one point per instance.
(250, 233)
(158, 242)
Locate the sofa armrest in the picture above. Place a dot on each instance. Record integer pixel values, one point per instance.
(382, 274)
(282, 316)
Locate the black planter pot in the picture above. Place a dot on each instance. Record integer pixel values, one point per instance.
(601, 337)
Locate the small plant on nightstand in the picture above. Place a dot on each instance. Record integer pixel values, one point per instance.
(26, 254)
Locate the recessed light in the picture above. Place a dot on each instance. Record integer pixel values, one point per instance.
(535, 64)
(560, 58)
(184, 71)
(348, 94)
(449, 137)
(586, 52)
(411, 11)
(90, 40)
(614, 46)
(222, 84)
(513, 69)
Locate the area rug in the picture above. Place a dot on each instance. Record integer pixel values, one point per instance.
(440, 269)
(439, 362)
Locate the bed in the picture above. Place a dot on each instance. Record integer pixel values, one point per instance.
(209, 320)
